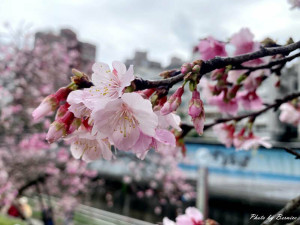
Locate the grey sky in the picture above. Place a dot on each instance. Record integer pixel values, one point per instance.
(163, 27)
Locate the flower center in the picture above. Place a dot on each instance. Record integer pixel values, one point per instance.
(125, 121)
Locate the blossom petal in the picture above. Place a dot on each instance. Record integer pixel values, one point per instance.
(119, 67)
(142, 110)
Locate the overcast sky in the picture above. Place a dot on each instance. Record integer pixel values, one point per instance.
(164, 28)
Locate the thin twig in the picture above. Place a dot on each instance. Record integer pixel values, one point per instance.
(293, 152)
(288, 208)
(275, 106)
(268, 65)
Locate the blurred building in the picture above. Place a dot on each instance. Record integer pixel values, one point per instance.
(87, 50)
(143, 67)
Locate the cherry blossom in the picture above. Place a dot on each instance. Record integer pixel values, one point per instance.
(192, 216)
(243, 41)
(206, 88)
(78, 103)
(209, 48)
(122, 120)
(252, 142)
(167, 221)
(225, 106)
(289, 114)
(89, 147)
(225, 133)
(110, 83)
(250, 100)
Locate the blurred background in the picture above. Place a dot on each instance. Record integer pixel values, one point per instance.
(40, 41)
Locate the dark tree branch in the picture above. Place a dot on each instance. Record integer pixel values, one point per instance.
(40, 179)
(278, 102)
(218, 63)
(268, 65)
(275, 106)
(288, 208)
(293, 152)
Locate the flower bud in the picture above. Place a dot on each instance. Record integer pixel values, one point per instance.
(196, 111)
(167, 74)
(233, 91)
(62, 93)
(196, 105)
(77, 73)
(62, 111)
(186, 68)
(217, 74)
(147, 93)
(173, 103)
(59, 128)
(196, 69)
(49, 104)
(74, 125)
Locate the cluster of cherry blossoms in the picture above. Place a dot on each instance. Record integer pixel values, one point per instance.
(92, 119)
(231, 88)
(34, 161)
(110, 109)
(244, 83)
(244, 139)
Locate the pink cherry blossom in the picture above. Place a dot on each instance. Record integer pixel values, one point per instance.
(173, 102)
(89, 147)
(250, 100)
(167, 221)
(163, 139)
(253, 81)
(170, 120)
(192, 216)
(78, 103)
(289, 114)
(243, 42)
(122, 120)
(210, 48)
(230, 106)
(110, 83)
(206, 88)
(225, 133)
(253, 142)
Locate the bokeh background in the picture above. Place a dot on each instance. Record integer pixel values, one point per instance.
(42, 40)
